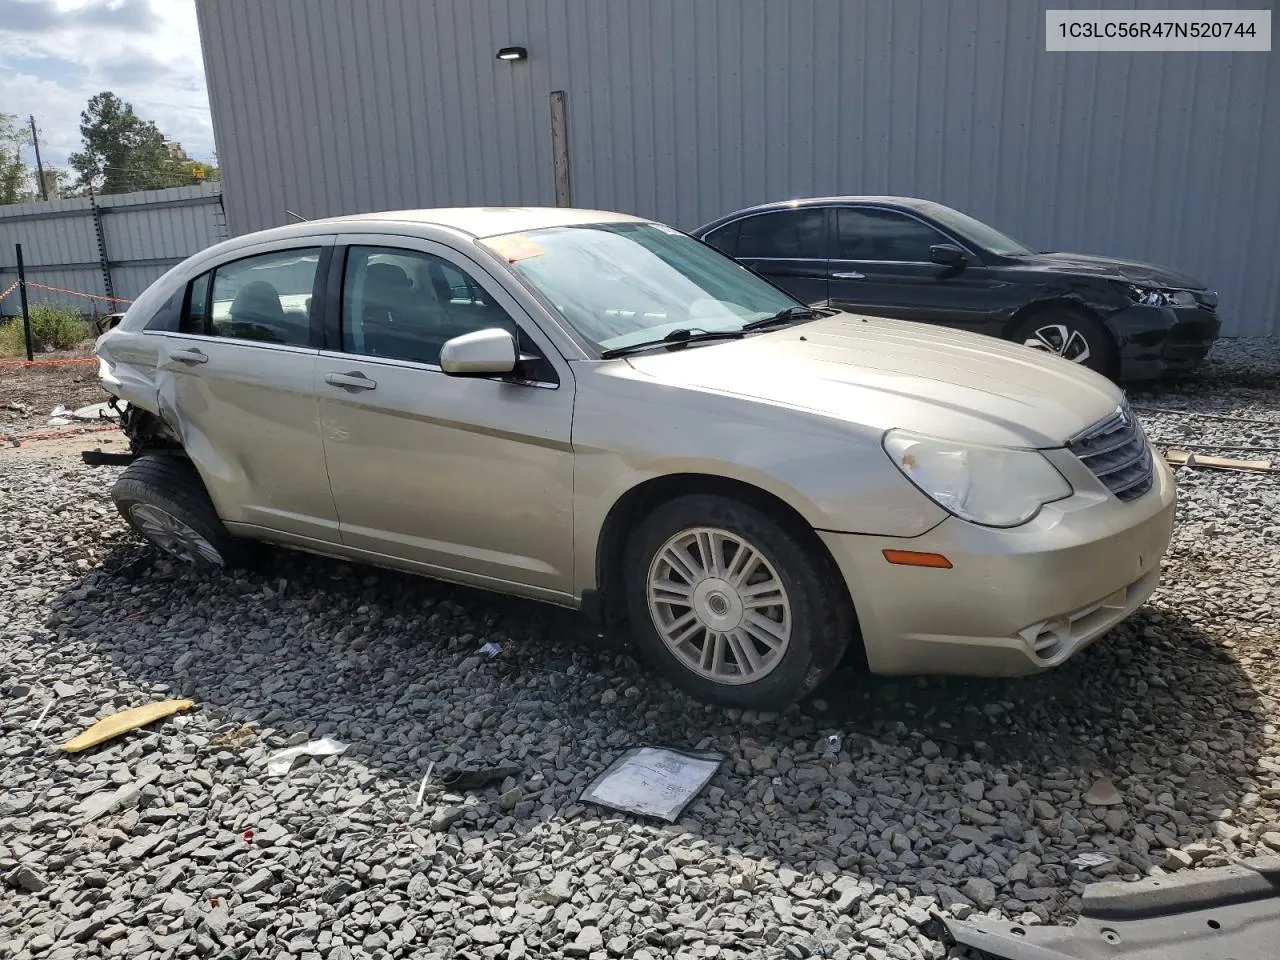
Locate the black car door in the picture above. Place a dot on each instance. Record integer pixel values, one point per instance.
(788, 247)
(881, 264)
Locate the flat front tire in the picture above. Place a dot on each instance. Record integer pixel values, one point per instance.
(731, 606)
(163, 499)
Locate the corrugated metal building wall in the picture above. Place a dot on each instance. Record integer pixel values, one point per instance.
(143, 235)
(686, 109)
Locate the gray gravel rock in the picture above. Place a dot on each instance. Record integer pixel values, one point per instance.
(446, 817)
(26, 879)
(981, 891)
(585, 943)
(844, 826)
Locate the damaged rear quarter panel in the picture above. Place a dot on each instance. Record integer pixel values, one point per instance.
(127, 367)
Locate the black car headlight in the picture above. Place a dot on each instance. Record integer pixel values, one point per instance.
(1158, 297)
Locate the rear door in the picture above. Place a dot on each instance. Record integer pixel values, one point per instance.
(236, 379)
(788, 247)
(880, 265)
(468, 478)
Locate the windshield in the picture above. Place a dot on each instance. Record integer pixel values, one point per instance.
(620, 284)
(984, 236)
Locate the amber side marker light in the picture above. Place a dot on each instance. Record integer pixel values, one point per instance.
(910, 558)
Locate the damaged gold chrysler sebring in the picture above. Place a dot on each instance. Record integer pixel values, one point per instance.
(598, 411)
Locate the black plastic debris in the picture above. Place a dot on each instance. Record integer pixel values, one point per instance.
(1225, 912)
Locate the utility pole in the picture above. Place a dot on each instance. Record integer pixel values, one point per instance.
(35, 140)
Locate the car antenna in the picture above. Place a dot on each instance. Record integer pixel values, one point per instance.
(298, 216)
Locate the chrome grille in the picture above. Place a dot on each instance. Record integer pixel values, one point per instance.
(1117, 452)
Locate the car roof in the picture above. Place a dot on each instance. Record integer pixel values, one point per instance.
(486, 221)
(906, 203)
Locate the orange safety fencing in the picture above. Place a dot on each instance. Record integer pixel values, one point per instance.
(78, 361)
(81, 361)
(18, 438)
(73, 293)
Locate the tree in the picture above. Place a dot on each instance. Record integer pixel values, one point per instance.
(15, 176)
(122, 152)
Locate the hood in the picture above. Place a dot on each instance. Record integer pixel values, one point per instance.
(892, 373)
(1131, 271)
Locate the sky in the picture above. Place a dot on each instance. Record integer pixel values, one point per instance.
(56, 54)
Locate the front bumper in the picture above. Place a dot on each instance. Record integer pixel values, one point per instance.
(1162, 341)
(1015, 601)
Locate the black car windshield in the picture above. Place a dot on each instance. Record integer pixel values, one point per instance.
(989, 238)
(620, 284)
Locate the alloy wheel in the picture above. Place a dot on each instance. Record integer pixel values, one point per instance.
(719, 605)
(173, 536)
(1062, 341)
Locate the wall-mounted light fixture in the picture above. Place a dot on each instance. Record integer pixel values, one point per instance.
(513, 53)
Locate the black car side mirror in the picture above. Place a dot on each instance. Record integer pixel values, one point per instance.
(947, 254)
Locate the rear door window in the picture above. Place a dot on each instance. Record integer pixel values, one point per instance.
(196, 317)
(784, 235)
(266, 298)
(726, 238)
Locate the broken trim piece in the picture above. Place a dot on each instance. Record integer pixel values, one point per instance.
(1223, 912)
(1183, 458)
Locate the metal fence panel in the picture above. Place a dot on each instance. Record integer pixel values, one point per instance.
(143, 235)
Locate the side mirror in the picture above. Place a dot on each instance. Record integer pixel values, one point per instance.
(947, 254)
(481, 353)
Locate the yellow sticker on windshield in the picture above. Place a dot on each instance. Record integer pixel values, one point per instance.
(515, 246)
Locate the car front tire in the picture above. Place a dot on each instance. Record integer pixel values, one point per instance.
(731, 605)
(163, 499)
(1072, 335)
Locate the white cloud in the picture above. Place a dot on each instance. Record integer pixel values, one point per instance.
(56, 54)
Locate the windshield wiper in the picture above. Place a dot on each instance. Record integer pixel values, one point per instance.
(781, 317)
(676, 338)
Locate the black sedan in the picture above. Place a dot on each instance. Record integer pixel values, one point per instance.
(918, 260)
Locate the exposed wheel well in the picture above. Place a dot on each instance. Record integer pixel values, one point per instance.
(147, 433)
(637, 502)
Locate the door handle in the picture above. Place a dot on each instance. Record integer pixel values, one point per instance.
(350, 381)
(850, 275)
(189, 356)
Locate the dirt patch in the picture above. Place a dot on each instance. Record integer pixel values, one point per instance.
(66, 445)
(28, 394)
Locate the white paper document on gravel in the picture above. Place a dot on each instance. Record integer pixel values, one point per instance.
(653, 781)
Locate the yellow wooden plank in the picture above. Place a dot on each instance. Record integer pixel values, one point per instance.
(109, 727)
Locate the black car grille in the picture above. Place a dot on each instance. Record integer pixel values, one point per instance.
(1117, 452)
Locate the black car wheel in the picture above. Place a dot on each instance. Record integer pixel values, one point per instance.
(1071, 335)
(731, 605)
(164, 500)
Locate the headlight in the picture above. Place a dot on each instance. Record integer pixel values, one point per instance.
(993, 486)
(1154, 297)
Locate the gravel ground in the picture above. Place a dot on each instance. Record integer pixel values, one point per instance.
(1157, 748)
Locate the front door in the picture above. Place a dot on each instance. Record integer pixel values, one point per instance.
(236, 380)
(881, 265)
(471, 479)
